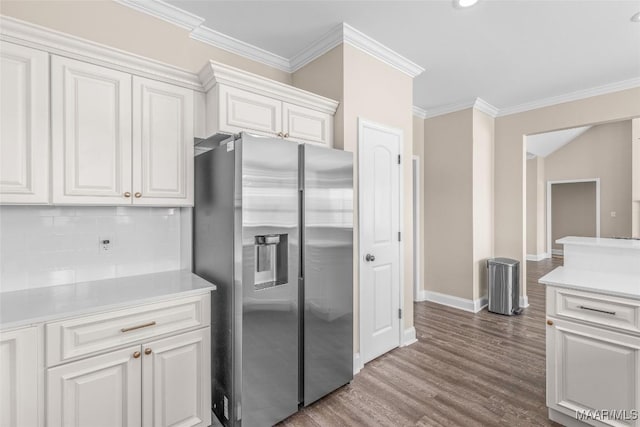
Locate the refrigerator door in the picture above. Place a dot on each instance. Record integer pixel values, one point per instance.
(327, 253)
(269, 281)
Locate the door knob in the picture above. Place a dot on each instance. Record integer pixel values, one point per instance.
(369, 258)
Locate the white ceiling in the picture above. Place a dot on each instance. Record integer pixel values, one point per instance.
(507, 52)
(544, 144)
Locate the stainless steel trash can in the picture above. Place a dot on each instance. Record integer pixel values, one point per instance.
(503, 279)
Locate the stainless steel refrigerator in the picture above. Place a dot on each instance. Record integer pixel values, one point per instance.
(273, 229)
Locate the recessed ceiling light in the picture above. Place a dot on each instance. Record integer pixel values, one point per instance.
(460, 4)
(636, 17)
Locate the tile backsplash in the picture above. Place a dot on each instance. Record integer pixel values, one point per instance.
(49, 245)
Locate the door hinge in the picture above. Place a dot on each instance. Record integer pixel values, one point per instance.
(398, 158)
(399, 236)
(399, 313)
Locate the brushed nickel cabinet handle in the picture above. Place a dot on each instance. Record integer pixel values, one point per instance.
(136, 354)
(286, 135)
(127, 194)
(133, 328)
(138, 195)
(582, 307)
(147, 351)
(280, 134)
(550, 322)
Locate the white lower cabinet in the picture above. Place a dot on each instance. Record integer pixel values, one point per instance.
(175, 381)
(591, 369)
(19, 372)
(99, 391)
(159, 383)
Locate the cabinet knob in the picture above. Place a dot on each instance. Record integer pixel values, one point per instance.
(138, 195)
(136, 354)
(147, 351)
(550, 322)
(280, 134)
(127, 194)
(286, 135)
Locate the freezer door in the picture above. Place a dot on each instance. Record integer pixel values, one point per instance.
(269, 282)
(327, 253)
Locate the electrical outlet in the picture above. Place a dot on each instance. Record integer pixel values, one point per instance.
(105, 244)
(613, 214)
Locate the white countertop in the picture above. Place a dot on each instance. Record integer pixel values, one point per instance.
(29, 306)
(620, 285)
(600, 242)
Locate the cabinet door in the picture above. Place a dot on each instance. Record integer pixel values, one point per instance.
(19, 397)
(91, 133)
(24, 133)
(98, 391)
(162, 143)
(240, 110)
(592, 369)
(176, 381)
(305, 124)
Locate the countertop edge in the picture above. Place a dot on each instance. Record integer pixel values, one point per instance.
(582, 287)
(38, 320)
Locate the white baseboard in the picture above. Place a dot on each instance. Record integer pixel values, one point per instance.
(472, 306)
(557, 252)
(409, 336)
(524, 301)
(538, 257)
(357, 363)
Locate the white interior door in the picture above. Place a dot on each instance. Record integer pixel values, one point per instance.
(379, 207)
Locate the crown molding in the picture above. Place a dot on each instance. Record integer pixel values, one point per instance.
(482, 105)
(216, 73)
(571, 96)
(324, 44)
(166, 12)
(345, 33)
(223, 41)
(58, 43)
(376, 49)
(342, 33)
(419, 112)
(446, 109)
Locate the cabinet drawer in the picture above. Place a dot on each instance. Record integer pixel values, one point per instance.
(69, 339)
(617, 313)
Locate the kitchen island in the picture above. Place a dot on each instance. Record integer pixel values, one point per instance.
(593, 333)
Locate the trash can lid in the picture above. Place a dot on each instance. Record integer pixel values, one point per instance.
(504, 261)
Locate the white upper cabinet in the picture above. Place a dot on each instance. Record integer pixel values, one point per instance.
(24, 133)
(162, 143)
(240, 110)
(91, 133)
(238, 101)
(308, 125)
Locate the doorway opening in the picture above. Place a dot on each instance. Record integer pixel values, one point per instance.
(573, 209)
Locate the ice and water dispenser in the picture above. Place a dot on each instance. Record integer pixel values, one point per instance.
(271, 267)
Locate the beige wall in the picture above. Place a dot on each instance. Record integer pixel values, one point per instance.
(603, 152)
(370, 89)
(510, 233)
(573, 211)
(536, 213)
(115, 25)
(448, 204)
(483, 137)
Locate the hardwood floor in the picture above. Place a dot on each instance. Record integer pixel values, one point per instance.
(465, 370)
